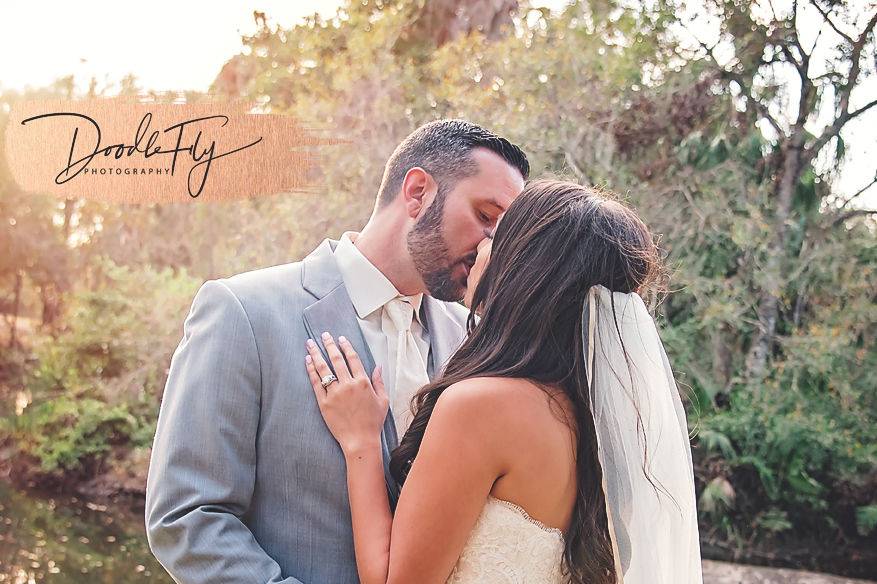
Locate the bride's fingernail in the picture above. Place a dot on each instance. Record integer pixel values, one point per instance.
(342, 339)
(308, 359)
(311, 343)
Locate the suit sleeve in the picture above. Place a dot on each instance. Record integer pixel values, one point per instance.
(203, 464)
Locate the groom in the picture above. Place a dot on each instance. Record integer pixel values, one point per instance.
(246, 484)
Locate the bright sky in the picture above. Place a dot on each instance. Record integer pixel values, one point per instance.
(168, 44)
(182, 45)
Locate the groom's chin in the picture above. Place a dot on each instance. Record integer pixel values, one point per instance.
(448, 290)
(449, 296)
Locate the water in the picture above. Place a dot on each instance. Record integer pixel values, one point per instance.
(65, 540)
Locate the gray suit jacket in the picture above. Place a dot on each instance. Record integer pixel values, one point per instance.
(246, 483)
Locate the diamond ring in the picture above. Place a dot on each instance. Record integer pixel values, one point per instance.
(327, 380)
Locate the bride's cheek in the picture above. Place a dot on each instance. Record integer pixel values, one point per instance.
(476, 272)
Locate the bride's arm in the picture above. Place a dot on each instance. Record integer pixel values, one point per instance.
(461, 456)
(369, 510)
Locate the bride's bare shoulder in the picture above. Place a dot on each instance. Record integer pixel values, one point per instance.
(513, 424)
(491, 392)
(513, 392)
(508, 403)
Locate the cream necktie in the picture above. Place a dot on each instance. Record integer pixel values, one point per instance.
(410, 370)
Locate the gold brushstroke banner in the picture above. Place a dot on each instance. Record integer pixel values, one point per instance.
(134, 151)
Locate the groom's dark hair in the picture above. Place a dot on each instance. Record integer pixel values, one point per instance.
(442, 148)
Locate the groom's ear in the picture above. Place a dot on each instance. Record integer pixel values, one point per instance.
(418, 191)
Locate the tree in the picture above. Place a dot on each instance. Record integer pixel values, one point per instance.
(767, 47)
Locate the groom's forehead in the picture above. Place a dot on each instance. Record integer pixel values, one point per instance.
(496, 183)
(493, 166)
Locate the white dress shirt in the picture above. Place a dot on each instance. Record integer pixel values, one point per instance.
(370, 290)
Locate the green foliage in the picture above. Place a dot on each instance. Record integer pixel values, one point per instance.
(790, 453)
(117, 333)
(716, 497)
(97, 384)
(67, 432)
(866, 519)
(803, 446)
(774, 521)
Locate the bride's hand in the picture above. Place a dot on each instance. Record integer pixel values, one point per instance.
(354, 409)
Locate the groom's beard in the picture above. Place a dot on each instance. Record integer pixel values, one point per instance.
(444, 279)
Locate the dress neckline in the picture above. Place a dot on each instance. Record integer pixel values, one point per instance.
(525, 515)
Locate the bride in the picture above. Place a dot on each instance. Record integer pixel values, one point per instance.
(553, 448)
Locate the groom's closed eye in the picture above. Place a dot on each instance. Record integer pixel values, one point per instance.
(489, 220)
(494, 211)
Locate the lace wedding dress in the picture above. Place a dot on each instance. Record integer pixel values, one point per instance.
(507, 546)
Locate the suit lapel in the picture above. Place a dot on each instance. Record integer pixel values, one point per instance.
(333, 312)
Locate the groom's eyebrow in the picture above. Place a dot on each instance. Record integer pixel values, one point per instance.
(496, 204)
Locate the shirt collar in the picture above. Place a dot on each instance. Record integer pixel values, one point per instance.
(368, 288)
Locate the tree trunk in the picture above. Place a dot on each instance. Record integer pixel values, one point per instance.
(772, 282)
(51, 307)
(16, 307)
(69, 207)
(442, 21)
(723, 365)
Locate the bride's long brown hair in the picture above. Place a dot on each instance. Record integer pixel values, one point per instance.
(556, 240)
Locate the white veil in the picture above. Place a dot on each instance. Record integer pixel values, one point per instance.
(653, 519)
